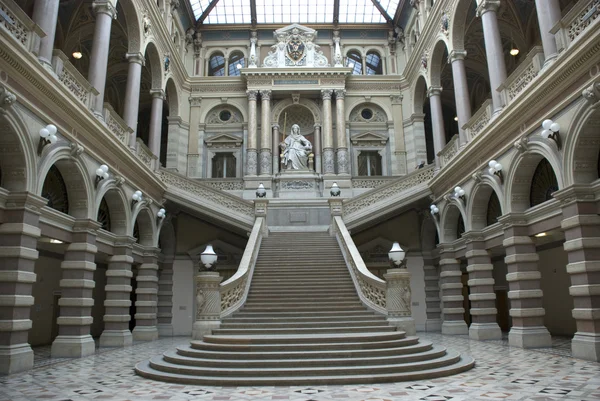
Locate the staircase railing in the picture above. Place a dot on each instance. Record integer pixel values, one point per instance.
(235, 290)
(371, 289)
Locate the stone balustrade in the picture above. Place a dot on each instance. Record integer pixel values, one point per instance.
(116, 124)
(17, 24)
(371, 182)
(583, 17)
(479, 120)
(225, 184)
(145, 154)
(523, 75)
(450, 150)
(72, 79)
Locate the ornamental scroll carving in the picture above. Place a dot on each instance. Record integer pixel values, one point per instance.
(295, 47)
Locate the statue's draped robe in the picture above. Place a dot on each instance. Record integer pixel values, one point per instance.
(297, 149)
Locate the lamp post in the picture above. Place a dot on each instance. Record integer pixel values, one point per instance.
(398, 293)
(208, 296)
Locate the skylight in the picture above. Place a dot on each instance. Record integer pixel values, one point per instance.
(296, 11)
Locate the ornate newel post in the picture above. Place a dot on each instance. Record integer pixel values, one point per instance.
(208, 296)
(397, 293)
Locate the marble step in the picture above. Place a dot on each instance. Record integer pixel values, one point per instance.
(382, 327)
(301, 319)
(292, 324)
(300, 298)
(284, 314)
(297, 309)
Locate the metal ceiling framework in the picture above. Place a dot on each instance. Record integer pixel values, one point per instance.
(210, 7)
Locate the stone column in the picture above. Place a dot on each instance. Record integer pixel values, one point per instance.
(432, 293)
(158, 96)
(118, 295)
(548, 12)
(398, 300)
(165, 297)
(525, 293)
(252, 150)
(581, 225)
(275, 148)
(328, 154)
(487, 10)
(105, 13)
(317, 148)
(208, 304)
(452, 297)
(76, 301)
(19, 233)
(397, 139)
(45, 14)
(484, 324)
(343, 165)
(461, 93)
(132, 94)
(194, 162)
(146, 298)
(437, 122)
(265, 133)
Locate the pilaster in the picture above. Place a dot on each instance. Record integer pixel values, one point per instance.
(146, 300)
(432, 293)
(328, 151)
(252, 150)
(266, 135)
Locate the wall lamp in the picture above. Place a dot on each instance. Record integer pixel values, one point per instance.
(208, 258)
(434, 210)
(136, 197)
(496, 169)
(101, 173)
(335, 190)
(160, 215)
(47, 136)
(261, 192)
(397, 256)
(459, 193)
(551, 130)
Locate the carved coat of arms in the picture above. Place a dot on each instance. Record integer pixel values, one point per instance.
(296, 48)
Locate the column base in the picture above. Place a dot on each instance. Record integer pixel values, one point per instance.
(145, 333)
(116, 338)
(485, 331)
(204, 327)
(432, 325)
(165, 330)
(73, 346)
(586, 346)
(455, 327)
(529, 337)
(406, 324)
(15, 358)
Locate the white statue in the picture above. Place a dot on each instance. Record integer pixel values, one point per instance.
(296, 149)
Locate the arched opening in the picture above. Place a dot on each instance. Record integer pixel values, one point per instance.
(216, 65)
(104, 215)
(424, 129)
(494, 210)
(14, 174)
(55, 190)
(112, 212)
(374, 63)
(354, 61)
(236, 63)
(543, 183)
(150, 80)
(585, 157)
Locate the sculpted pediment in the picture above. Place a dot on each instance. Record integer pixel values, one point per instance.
(223, 140)
(369, 138)
(295, 47)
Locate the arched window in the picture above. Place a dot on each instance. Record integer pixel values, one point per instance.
(55, 190)
(104, 215)
(354, 60)
(216, 65)
(236, 62)
(543, 183)
(374, 64)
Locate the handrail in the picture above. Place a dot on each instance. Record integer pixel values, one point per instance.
(578, 20)
(449, 151)
(235, 290)
(523, 75)
(18, 25)
(371, 289)
(72, 79)
(116, 124)
(479, 120)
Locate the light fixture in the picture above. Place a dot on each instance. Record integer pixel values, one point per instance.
(455, 118)
(514, 51)
(136, 197)
(335, 190)
(208, 257)
(161, 213)
(434, 209)
(239, 66)
(77, 55)
(551, 130)
(539, 235)
(47, 136)
(397, 256)
(459, 193)
(261, 192)
(101, 173)
(55, 241)
(495, 168)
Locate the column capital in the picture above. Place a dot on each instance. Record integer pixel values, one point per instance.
(340, 94)
(575, 193)
(135, 58)
(195, 101)
(396, 99)
(104, 7)
(326, 94)
(124, 241)
(513, 219)
(487, 5)
(265, 94)
(317, 126)
(252, 94)
(473, 236)
(457, 55)
(88, 225)
(434, 91)
(157, 93)
(275, 126)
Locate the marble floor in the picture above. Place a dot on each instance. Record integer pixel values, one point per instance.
(501, 373)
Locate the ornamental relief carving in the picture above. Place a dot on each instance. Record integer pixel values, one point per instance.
(295, 47)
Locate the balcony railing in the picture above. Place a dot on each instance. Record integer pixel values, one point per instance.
(72, 79)
(116, 124)
(582, 17)
(479, 120)
(450, 150)
(371, 182)
(523, 75)
(225, 184)
(17, 24)
(145, 155)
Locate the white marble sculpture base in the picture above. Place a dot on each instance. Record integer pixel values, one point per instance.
(297, 184)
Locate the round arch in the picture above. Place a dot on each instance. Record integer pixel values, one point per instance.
(352, 108)
(449, 221)
(419, 93)
(477, 208)
(134, 28)
(143, 218)
(210, 115)
(582, 148)
(429, 234)
(435, 64)
(152, 53)
(284, 104)
(173, 97)
(118, 206)
(17, 156)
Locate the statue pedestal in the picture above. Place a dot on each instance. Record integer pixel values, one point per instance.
(297, 184)
(208, 304)
(398, 300)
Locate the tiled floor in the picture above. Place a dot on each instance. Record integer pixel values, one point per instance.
(501, 373)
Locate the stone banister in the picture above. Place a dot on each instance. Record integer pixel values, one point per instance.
(18, 25)
(479, 120)
(235, 290)
(523, 75)
(371, 289)
(449, 151)
(116, 124)
(583, 17)
(72, 79)
(145, 155)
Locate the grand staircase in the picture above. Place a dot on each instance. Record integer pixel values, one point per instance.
(303, 324)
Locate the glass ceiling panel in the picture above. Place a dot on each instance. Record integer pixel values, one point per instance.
(293, 11)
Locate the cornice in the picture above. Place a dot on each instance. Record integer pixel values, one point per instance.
(296, 71)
